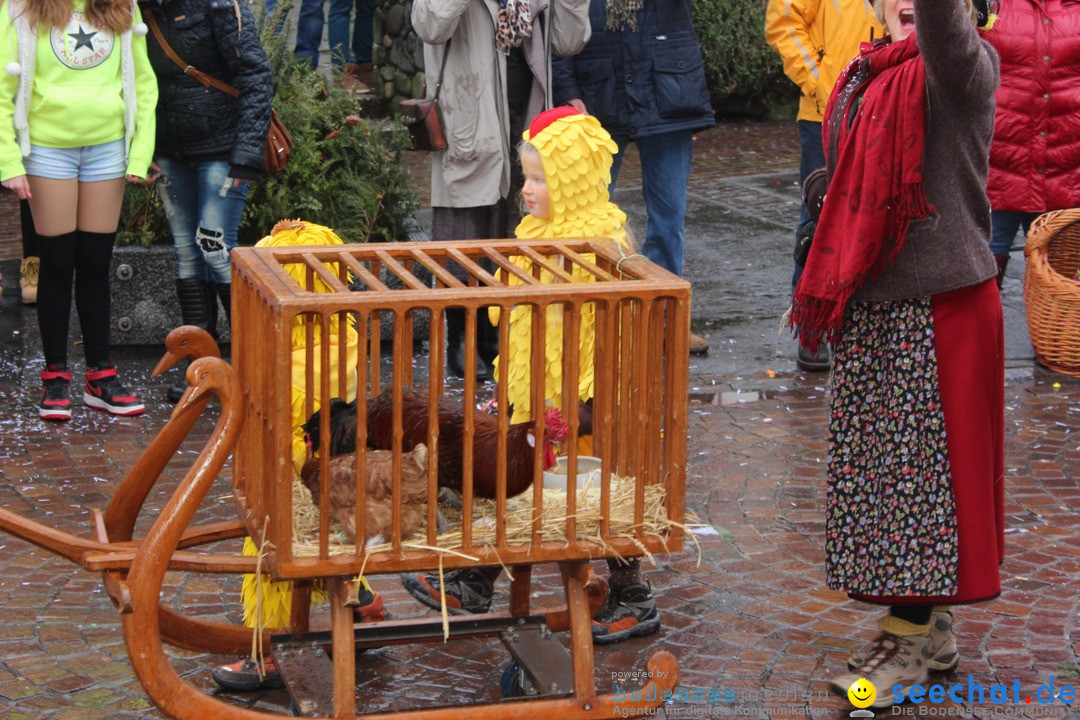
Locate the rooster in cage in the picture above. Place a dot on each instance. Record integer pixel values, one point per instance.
(520, 439)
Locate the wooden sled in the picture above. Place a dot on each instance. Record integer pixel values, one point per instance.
(134, 571)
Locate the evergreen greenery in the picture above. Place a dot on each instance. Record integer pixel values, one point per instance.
(743, 72)
(345, 172)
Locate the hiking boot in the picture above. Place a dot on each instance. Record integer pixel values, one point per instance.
(55, 393)
(104, 391)
(371, 607)
(943, 655)
(698, 345)
(893, 661)
(28, 279)
(468, 592)
(820, 361)
(630, 611)
(245, 675)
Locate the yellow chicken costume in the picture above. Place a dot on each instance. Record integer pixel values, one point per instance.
(276, 597)
(576, 153)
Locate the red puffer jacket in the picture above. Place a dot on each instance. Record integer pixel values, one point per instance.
(1035, 156)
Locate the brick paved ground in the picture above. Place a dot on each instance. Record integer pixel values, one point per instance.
(747, 614)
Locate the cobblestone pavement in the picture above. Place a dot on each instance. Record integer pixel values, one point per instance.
(746, 612)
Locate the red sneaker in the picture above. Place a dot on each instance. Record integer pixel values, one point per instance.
(105, 392)
(55, 393)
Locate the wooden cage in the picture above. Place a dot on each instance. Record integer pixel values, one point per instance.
(354, 310)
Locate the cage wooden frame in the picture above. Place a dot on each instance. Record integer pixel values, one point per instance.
(642, 326)
(643, 322)
(1052, 289)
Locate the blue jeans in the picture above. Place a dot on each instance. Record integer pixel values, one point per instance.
(309, 31)
(338, 28)
(363, 38)
(665, 172)
(269, 8)
(811, 157)
(203, 207)
(1004, 225)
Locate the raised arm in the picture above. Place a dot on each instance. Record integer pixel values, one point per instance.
(959, 63)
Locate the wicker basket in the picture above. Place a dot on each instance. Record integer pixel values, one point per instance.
(1052, 289)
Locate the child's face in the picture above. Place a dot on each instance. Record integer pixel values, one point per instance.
(535, 191)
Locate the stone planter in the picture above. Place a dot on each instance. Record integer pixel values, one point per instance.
(144, 305)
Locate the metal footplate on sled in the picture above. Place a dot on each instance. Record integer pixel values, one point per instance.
(306, 665)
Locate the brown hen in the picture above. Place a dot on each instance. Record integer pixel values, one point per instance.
(378, 501)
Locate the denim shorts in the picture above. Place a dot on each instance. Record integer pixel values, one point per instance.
(89, 163)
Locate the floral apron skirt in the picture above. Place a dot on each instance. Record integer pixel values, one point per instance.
(915, 506)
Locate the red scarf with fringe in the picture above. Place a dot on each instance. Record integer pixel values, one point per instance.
(876, 189)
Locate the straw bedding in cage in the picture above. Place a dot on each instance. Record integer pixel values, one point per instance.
(518, 520)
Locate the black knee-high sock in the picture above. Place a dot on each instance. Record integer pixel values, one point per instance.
(92, 259)
(54, 294)
(29, 235)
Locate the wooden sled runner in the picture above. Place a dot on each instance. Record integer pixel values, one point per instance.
(342, 310)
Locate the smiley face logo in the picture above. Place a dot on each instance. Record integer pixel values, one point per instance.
(862, 693)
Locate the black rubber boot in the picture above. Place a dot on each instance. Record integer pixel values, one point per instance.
(455, 342)
(487, 344)
(191, 292)
(210, 299)
(224, 294)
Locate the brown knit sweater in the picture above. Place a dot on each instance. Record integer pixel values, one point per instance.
(949, 249)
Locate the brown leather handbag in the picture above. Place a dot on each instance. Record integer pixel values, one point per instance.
(278, 138)
(423, 116)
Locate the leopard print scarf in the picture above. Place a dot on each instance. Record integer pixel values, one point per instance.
(622, 15)
(515, 24)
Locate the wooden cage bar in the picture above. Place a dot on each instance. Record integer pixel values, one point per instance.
(347, 330)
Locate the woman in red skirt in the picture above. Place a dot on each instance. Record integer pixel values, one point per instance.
(900, 278)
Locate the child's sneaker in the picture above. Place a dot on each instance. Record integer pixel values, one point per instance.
(104, 391)
(55, 393)
(630, 611)
(468, 591)
(370, 607)
(245, 675)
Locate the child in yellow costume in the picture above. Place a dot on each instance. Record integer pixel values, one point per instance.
(566, 159)
(268, 603)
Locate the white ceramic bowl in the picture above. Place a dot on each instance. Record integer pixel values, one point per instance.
(588, 470)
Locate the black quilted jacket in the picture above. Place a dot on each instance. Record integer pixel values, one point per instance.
(218, 37)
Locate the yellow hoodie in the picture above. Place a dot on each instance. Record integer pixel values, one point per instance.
(72, 90)
(816, 39)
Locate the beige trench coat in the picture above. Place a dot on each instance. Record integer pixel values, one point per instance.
(474, 170)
